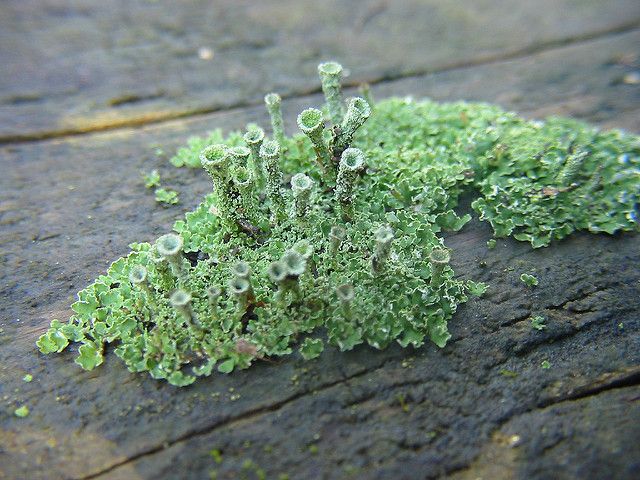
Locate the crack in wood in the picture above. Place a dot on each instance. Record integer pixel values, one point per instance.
(145, 120)
(231, 420)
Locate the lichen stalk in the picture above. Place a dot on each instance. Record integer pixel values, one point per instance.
(244, 183)
(138, 276)
(253, 137)
(351, 164)
(270, 154)
(169, 246)
(311, 123)
(331, 79)
(213, 299)
(358, 111)
(241, 289)
(383, 238)
(301, 186)
(439, 258)
(336, 236)
(346, 295)
(278, 274)
(216, 160)
(181, 301)
(274, 107)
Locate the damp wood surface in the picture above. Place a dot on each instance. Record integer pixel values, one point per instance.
(482, 407)
(84, 65)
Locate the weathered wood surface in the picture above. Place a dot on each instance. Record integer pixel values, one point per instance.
(69, 206)
(74, 66)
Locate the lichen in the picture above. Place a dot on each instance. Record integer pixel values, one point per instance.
(333, 235)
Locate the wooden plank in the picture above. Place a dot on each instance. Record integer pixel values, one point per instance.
(110, 422)
(87, 65)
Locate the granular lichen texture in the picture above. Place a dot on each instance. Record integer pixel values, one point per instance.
(333, 235)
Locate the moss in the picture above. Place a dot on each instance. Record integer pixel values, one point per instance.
(361, 258)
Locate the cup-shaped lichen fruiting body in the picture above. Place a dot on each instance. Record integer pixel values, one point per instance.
(270, 154)
(358, 111)
(138, 275)
(181, 301)
(301, 186)
(169, 246)
(383, 237)
(331, 78)
(304, 248)
(345, 294)
(294, 262)
(215, 160)
(274, 102)
(438, 258)
(277, 272)
(241, 269)
(311, 123)
(241, 289)
(240, 155)
(351, 163)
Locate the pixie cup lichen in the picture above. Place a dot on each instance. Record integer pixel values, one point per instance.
(333, 236)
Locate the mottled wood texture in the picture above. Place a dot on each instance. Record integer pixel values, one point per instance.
(71, 204)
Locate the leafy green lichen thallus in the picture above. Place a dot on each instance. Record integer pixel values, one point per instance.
(571, 168)
(311, 123)
(439, 258)
(358, 111)
(301, 186)
(331, 79)
(169, 247)
(383, 237)
(253, 137)
(273, 102)
(270, 155)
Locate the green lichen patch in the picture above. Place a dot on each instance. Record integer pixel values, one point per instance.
(333, 236)
(167, 196)
(541, 181)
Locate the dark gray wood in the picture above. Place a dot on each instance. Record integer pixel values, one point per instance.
(77, 66)
(70, 206)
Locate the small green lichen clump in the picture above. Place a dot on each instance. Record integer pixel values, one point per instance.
(332, 235)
